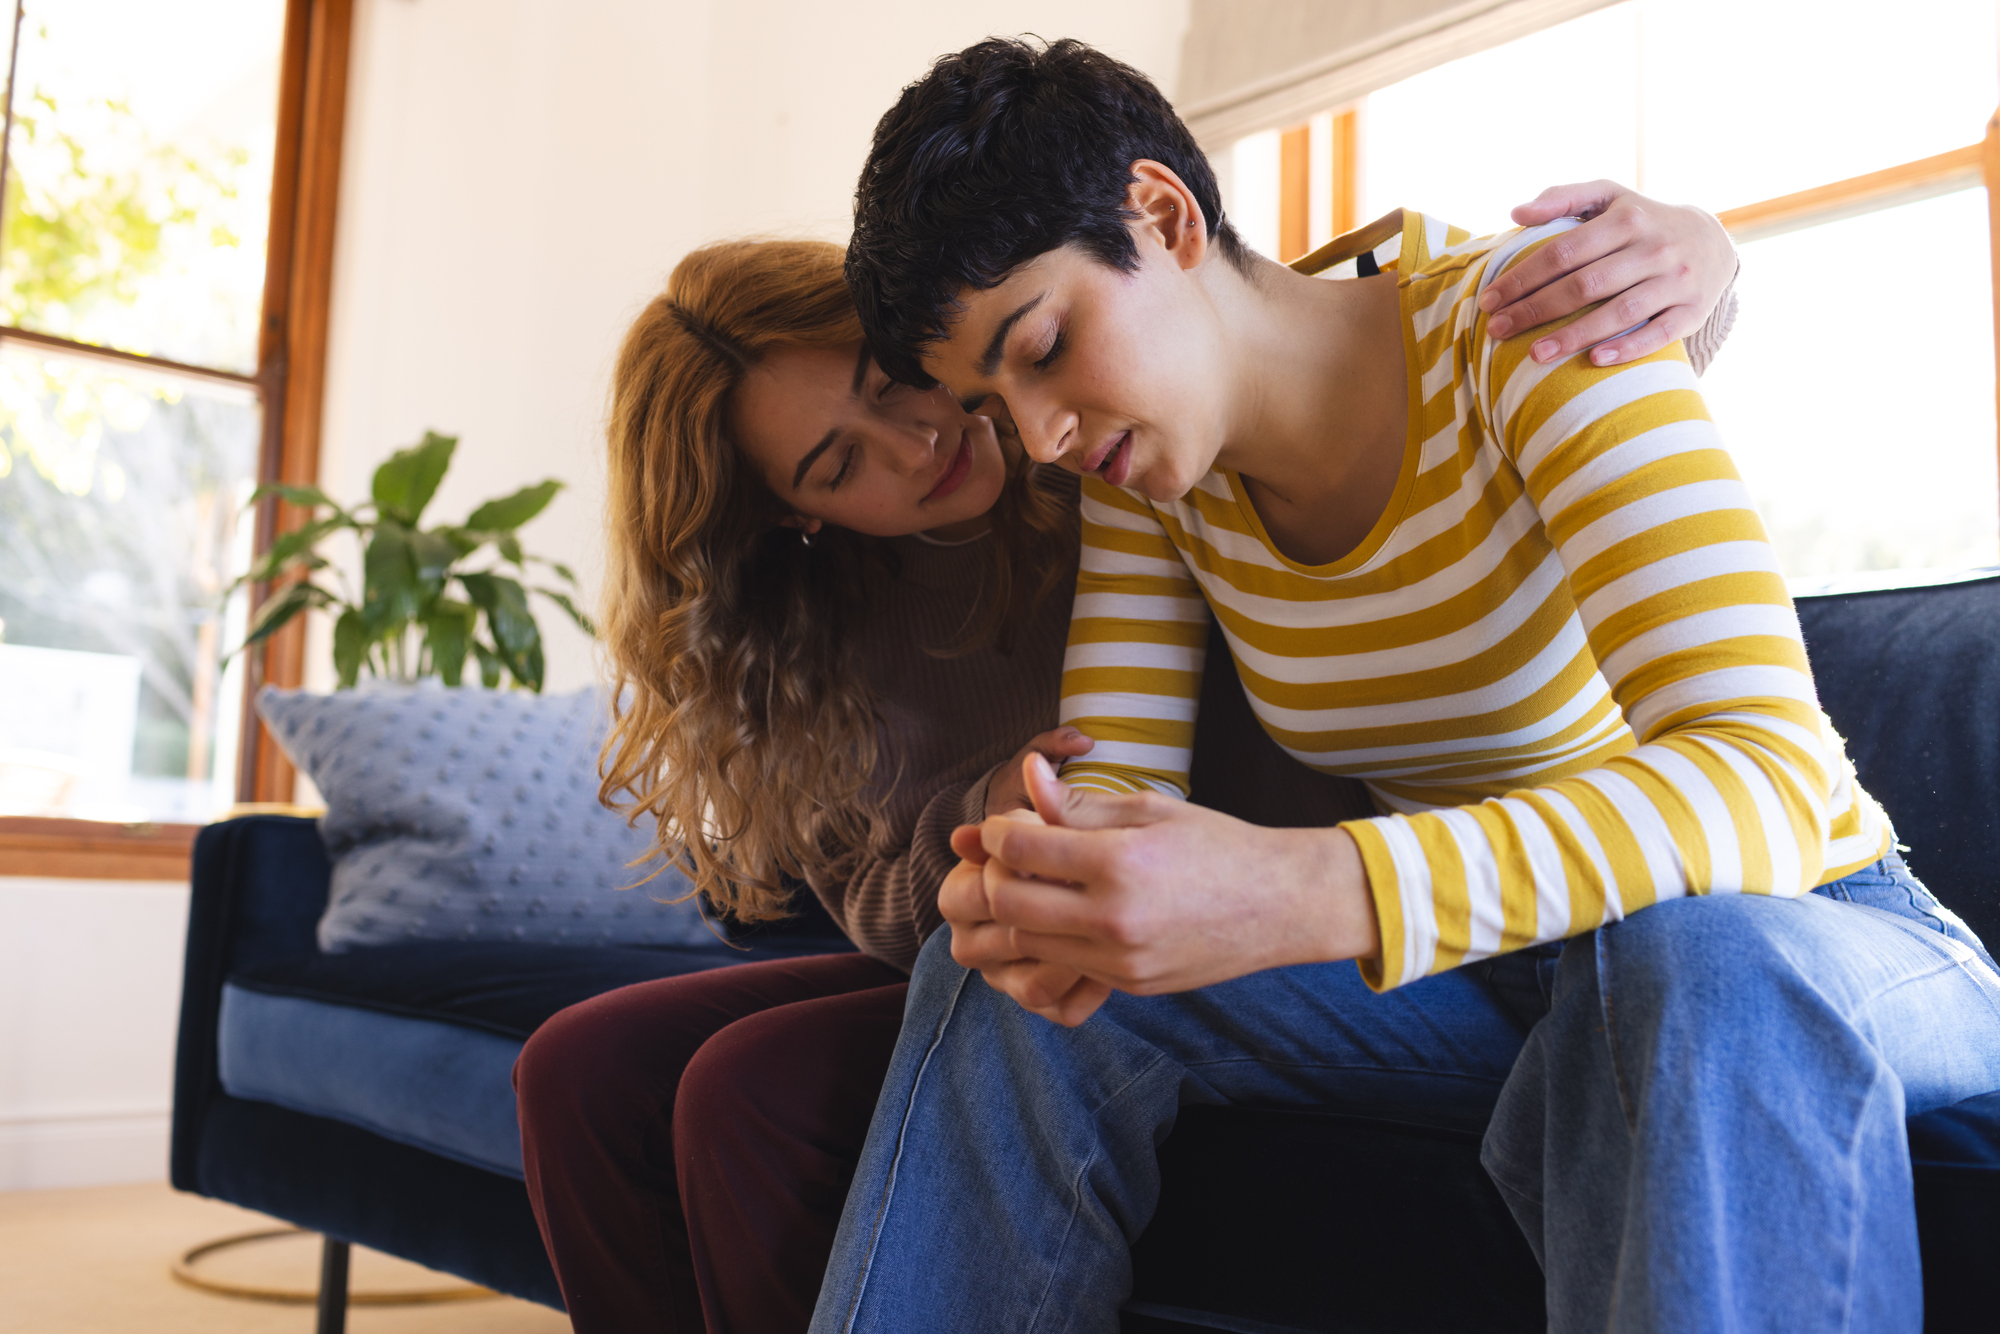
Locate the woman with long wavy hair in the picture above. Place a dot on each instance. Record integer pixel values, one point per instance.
(835, 611)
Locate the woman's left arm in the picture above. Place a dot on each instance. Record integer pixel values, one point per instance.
(1662, 271)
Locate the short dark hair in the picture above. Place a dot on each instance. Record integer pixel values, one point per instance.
(1002, 152)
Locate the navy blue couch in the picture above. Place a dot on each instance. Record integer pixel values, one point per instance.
(363, 1095)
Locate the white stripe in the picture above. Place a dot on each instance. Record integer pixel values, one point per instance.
(1579, 831)
(1699, 630)
(1135, 607)
(1135, 653)
(1545, 859)
(1718, 827)
(1591, 404)
(1649, 512)
(1484, 921)
(1624, 459)
(1684, 567)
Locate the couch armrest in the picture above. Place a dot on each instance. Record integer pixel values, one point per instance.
(259, 888)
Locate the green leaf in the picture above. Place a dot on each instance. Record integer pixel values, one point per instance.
(463, 540)
(510, 512)
(432, 554)
(277, 612)
(510, 548)
(308, 496)
(408, 478)
(528, 669)
(505, 603)
(448, 629)
(583, 622)
(391, 595)
(350, 647)
(489, 665)
(288, 546)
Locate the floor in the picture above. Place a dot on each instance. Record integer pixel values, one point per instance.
(94, 1261)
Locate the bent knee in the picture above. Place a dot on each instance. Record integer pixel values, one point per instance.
(1716, 946)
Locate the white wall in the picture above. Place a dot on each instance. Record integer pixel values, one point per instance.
(90, 985)
(520, 176)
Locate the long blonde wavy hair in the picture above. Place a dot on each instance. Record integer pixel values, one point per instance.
(740, 722)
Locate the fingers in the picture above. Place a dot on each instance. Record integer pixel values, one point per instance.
(1614, 319)
(982, 946)
(1017, 901)
(1059, 995)
(1061, 744)
(1567, 201)
(962, 897)
(1080, 808)
(965, 842)
(1647, 339)
(1530, 293)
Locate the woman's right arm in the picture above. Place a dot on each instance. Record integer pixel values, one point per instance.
(888, 905)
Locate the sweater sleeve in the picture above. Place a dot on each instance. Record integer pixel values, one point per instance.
(1704, 343)
(1138, 636)
(1679, 593)
(888, 905)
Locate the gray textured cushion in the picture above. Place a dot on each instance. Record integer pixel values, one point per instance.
(464, 814)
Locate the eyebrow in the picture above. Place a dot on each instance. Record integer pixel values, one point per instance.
(826, 441)
(989, 361)
(812, 457)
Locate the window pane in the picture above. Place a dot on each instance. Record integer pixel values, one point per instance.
(1751, 99)
(121, 523)
(139, 180)
(1856, 392)
(1469, 140)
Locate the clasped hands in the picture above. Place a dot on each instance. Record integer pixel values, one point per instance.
(1089, 893)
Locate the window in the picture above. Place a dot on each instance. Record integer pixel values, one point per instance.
(1845, 154)
(166, 191)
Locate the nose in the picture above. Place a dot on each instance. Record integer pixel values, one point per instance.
(913, 445)
(1046, 433)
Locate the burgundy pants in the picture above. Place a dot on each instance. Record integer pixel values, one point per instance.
(689, 1142)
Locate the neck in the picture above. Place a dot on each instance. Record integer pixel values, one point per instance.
(962, 531)
(1318, 379)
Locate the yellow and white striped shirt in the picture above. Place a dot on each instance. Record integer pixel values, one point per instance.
(1563, 661)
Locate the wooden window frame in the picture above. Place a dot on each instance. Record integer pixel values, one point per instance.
(1295, 149)
(290, 383)
(1904, 183)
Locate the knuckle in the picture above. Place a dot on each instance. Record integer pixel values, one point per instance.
(1632, 308)
(1590, 285)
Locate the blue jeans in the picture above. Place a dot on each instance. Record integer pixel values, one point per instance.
(1696, 1115)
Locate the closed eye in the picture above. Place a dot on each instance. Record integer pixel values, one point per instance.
(1055, 349)
(846, 466)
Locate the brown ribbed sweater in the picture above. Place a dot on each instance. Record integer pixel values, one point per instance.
(952, 721)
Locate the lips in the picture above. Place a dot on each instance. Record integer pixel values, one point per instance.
(1111, 459)
(955, 472)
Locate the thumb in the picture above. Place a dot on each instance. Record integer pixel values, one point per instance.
(1563, 201)
(1078, 808)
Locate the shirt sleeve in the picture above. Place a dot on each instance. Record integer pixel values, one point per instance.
(888, 904)
(1138, 636)
(1680, 595)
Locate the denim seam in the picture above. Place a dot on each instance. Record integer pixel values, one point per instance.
(1855, 1196)
(1076, 1185)
(1626, 1102)
(896, 1159)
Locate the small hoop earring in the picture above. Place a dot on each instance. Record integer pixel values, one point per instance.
(805, 539)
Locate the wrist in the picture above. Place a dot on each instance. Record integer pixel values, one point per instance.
(1336, 901)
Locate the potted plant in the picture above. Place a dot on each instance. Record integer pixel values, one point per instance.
(407, 621)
